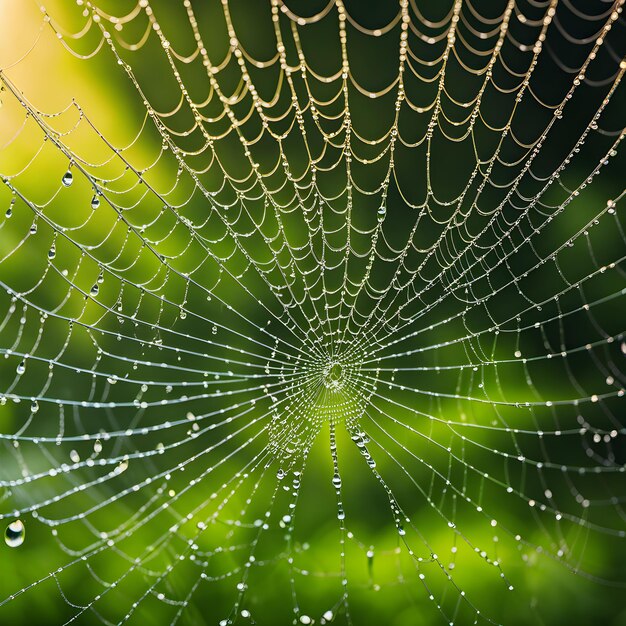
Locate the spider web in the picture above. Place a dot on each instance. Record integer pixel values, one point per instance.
(311, 309)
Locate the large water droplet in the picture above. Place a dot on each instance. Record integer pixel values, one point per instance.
(21, 368)
(67, 179)
(14, 534)
(95, 202)
(52, 252)
(122, 466)
(337, 481)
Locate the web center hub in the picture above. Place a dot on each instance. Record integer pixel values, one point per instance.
(333, 376)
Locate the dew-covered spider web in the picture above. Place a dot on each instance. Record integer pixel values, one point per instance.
(312, 312)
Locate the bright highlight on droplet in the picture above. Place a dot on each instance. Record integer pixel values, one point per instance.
(14, 534)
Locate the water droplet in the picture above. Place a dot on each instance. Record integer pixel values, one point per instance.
(328, 616)
(95, 202)
(21, 368)
(33, 229)
(382, 211)
(14, 534)
(94, 290)
(122, 466)
(67, 179)
(34, 407)
(337, 481)
(52, 252)
(305, 619)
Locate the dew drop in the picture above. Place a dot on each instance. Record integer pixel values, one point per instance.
(21, 368)
(52, 252)
(337, 481)
(95, 202)
(122, 466)
(14, 534)
(67, 179)
(34, 407)
(94, 290)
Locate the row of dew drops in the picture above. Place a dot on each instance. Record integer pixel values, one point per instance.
(15, 532)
